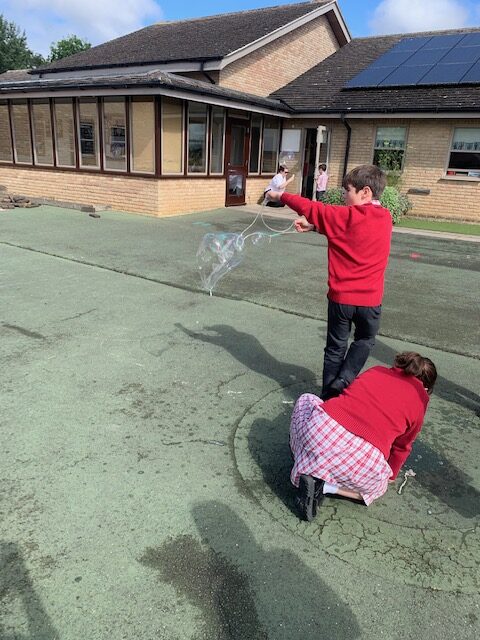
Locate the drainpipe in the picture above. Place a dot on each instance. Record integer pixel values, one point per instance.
(347, 148)
(207, 75)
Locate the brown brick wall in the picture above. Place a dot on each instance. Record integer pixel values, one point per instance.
(283, 60)
(138, 195)
(428, 144)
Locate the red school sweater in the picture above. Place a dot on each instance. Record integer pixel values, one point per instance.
(384, 407)
(358, 247)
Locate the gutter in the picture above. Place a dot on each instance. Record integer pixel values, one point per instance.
(347, 147)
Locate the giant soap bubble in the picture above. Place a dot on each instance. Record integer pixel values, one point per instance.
(219, 253)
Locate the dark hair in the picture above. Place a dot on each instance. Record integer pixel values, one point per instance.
(367, 175)
(323, 167)
(413, 364)
(282, 167)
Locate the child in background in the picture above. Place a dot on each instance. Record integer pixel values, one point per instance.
(359, 235)
(355, 444)
(279, 183)
(322, 181)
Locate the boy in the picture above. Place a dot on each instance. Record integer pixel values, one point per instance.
(321, 182)
(358, 236)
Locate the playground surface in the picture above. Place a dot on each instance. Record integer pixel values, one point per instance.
(144, 440)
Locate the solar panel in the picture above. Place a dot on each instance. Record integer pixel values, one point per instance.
(444, 42)
(371, 77)
(445, 74)
(463, 54)
(473, 75)
(411, 44)
(471, 40)
(443, 59)
(405, 76)
(427, 56)
(392, 59)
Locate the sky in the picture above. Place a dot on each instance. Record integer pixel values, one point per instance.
(46, 21)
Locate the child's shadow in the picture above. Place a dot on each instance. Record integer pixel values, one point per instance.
(16, 584)
(250, 352)
(287, 599)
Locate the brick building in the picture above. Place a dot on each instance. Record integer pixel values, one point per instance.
(197, 114)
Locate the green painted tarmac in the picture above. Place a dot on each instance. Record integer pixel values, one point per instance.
(144, 450)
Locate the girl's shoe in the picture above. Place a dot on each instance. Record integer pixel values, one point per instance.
(310, 494)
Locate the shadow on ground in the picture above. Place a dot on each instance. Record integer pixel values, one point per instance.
(17, 593)
(245, 591)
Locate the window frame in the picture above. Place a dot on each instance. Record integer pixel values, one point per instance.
(448, 168)
(260, 146)
(32, 112)
(10, 130)
(375, 148)
(210, 141)
(126, 135)
(75, 165)
(130, 132)
(99, 131)
(162, 137)
(207, 139)
(279, 129)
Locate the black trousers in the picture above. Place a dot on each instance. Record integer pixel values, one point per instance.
(338, 361)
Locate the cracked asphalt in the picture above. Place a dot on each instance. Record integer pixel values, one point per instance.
(144, 448)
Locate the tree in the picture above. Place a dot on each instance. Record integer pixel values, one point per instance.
(14, 52)
(67, 47)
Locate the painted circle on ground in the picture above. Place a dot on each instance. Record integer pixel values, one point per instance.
(427, 536)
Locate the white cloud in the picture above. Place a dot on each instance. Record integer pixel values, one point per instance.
(404, 16)
(46, 21)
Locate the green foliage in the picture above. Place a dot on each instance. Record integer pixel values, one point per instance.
(67, 47)
(333, 196)
(394, 179)
(14, 52)
(388, 159)
(397, 203)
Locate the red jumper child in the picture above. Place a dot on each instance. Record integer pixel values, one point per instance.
(359, 235)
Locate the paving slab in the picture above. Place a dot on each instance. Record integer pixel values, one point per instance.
(144, 447)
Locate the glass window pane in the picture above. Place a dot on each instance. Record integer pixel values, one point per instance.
(271, 138)
(42, 132)
(197, 138)
(238, 133)
(21, 132)
(5, 137)
(465, 161)
(390, 137)
(218, 135)
(114, 134)
(466, 140)
(142, 135)
(64, 132)
(88, 132)
(172, 136)
(255, 132)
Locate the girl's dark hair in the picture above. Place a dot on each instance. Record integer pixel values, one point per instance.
(282, 167)
(323, 167)
(413, 364)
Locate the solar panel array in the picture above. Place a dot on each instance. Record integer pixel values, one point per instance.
(424, 60)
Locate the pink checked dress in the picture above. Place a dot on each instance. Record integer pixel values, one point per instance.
(324, 449)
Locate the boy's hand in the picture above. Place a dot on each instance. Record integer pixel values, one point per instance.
(302, 225)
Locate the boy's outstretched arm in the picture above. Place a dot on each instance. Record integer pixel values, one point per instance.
(314, 212)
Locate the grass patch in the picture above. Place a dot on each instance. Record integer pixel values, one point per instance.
(434, 225)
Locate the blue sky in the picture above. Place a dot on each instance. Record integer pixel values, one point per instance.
(46, 21)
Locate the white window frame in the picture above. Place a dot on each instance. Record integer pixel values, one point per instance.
(461, 173)
(222, 172)
(260, 141)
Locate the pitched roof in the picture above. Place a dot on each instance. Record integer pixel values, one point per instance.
(22, 83)
(199, 39)
(320, 90)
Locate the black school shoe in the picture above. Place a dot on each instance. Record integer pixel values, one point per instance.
(335, 389)
(310, 495)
